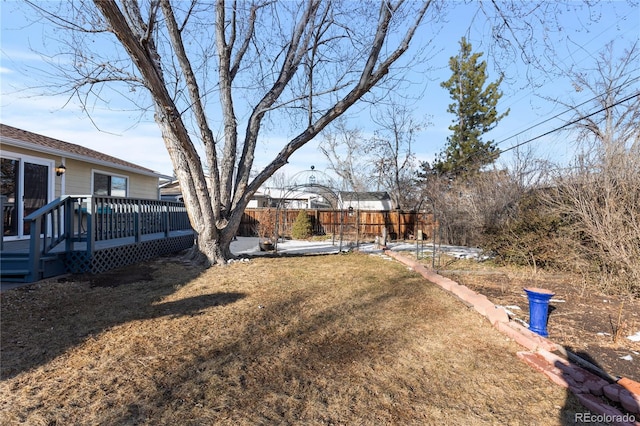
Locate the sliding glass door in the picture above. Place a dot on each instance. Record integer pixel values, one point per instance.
(26, 186)
(36, 190)
(9, 192)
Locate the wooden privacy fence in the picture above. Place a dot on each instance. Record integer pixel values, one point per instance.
(364, 223)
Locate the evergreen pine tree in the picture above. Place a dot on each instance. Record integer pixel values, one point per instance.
(475, 113)
(302, 228)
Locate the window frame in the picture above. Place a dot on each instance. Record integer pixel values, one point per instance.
(110, 176)
(23, 158)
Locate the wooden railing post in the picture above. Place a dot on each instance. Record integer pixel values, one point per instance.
(2, 197)
(167, 218)
(138, 221)
(69, 213)
(35, 245)
(91, 225)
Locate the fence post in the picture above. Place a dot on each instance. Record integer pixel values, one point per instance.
(341, 228)
(333, 227)
(358, 228)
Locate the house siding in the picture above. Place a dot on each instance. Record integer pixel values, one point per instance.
(78, 177)
(143, 187)
(368, 205)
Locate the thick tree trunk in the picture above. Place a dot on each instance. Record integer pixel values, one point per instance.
(213, 251)
(213, 246)
(214, 237)
(213, 240)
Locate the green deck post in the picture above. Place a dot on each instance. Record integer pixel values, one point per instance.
(167, 224)
(138, 221)
(34, 250)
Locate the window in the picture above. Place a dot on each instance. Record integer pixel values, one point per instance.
(109, 185)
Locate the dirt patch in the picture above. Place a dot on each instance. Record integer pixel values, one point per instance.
(337, 339)
(590, 323)
(126, 275)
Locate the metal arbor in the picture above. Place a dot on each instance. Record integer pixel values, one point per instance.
(316, 182)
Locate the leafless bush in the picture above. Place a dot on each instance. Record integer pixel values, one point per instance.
(267, 225)
(466, 209)
(475, 210)
(533, 234)
(601, 193)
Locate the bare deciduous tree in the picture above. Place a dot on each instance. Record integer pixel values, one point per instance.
(303, 63)
(479, 210)
(348, 158)
(393, 151)
(600, 192)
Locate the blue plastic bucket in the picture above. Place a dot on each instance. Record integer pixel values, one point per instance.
(538, 309)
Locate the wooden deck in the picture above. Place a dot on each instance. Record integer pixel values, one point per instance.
(94, 234)
(22, 246)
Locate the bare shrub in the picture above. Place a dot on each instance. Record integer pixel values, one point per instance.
(267, 225)
(475, 210)
(532, 235)
(602, 196)
(601, 191)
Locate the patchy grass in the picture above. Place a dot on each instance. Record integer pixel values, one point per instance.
(339, 339)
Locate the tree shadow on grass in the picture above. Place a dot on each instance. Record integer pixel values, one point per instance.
(42, 321)
(195, 305)
(262, 369)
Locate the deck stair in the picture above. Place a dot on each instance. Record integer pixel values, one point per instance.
(15, 267)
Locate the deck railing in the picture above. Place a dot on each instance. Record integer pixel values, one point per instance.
(85, 219)
(115, 217)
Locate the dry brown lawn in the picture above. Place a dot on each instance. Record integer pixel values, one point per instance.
(338, 339)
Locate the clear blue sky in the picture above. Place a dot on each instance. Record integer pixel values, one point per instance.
(140, 142)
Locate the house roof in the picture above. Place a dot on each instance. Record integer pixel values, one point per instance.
(365, 196)
(170, 188)
(285, 194)
(25, 139)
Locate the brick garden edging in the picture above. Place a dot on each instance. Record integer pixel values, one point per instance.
(591, 390)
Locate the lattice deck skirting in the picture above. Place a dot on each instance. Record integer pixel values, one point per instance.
(115, 257)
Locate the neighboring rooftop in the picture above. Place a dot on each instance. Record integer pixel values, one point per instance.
(18, 137)
(365, 196)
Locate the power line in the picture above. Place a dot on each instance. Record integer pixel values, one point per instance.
(570, 54)
(570, 123)
(567, 110)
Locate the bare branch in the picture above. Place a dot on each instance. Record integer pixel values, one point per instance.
(369, 78)
(196, 102)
